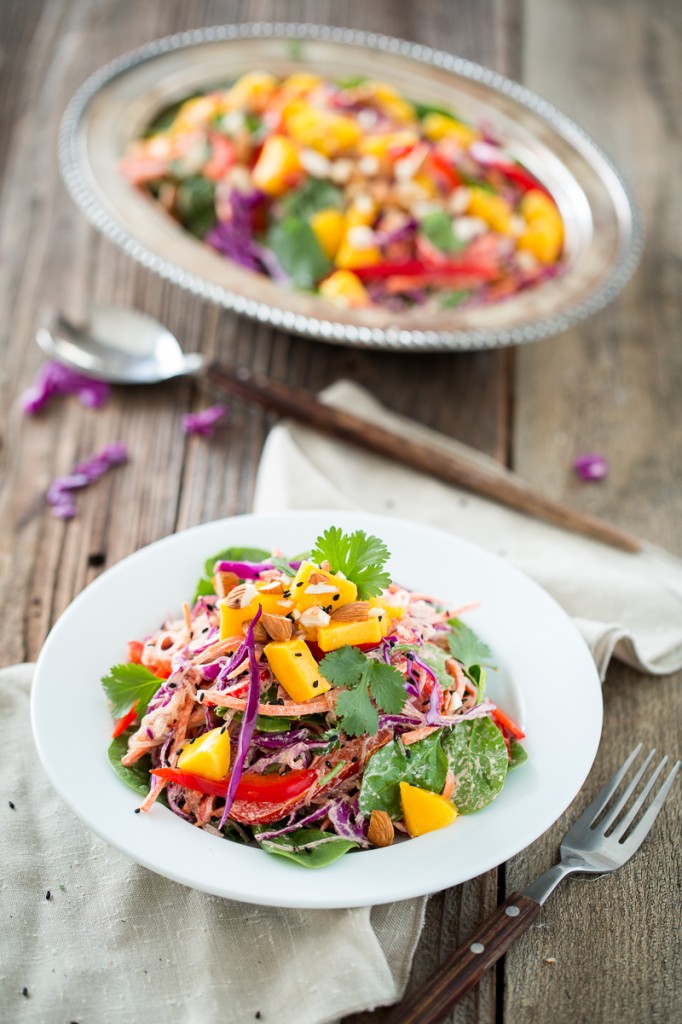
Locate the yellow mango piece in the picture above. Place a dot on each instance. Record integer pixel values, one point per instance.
(277, 164)
(386, 143)
(335, 635)
(344, 288)
(537, 205)
(296, 670)
(361, 214)
(252, 91)
(300, 83)
(334, 590)
(544, 234)
(196, 112)
(494, 210)
(349, 256)
(232, 619)
(424, 811)
(439, 126)
(207, 756)
(389, 613)
(392, 103)
(322, 130)
(328, 226)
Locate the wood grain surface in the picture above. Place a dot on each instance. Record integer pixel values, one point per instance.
(603, 951)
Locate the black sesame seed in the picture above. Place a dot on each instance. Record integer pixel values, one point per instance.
(137, 810)
(221, 731)
(408, 753)
(205, 629)
(12, 807)
(257, 1014)
(48, 895)
(200, 696)
(172, 686)
(298, 654)
(316, 684)
(287, 593)
(96, 559)
(280, 700)
(328, 764)
(328, 609)
(192, 740)
(24, 992)
(179, 751)
(290, 617)
(300, 584)
(354, 759)
(336, 597)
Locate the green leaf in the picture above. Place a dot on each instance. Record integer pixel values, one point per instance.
(387, 686)
(195, 204)
(357, 714)
(136, 777)
(344, 667)
(351, 82)
(437, 228)
(422, 764)
(518, 755)
(314, 195)
(455, 298)
(126, 684)
(477, 755)
(423, 109)
(283, 565)
(299, 847)
(295, 245)
(358, 556)
(466, 647)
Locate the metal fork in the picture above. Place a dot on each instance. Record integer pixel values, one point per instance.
(601, 840)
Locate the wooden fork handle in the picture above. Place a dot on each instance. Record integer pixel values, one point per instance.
(465, 967)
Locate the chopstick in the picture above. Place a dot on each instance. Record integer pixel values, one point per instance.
(301, 405)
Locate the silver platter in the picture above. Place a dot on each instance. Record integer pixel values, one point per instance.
(603, 231)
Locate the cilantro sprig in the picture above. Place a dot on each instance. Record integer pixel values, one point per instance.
(365, 679)
(126, 684)
(358, 556)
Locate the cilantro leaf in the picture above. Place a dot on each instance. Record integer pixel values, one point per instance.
(126, 684)
(387, 686)
(466, 647)
(283, 565)
(358, 556)
(356, 712)
(344, 667)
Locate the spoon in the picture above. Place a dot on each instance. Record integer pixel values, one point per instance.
(124, 346)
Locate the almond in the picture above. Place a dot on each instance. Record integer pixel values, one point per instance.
(380, 831)
(356, 611)
(241, 596)
(317, 577)
(224, 582)
(259, 633)
(325, 566)
(273, 587)
(277, 626)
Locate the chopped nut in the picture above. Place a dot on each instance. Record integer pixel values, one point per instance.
(259, 633)
(241, 596)
(224, 582)
(317, 577)
(273, 587)
(277, 626)
(356, 611)
(380, 831)
(325, 566)
(313, 617)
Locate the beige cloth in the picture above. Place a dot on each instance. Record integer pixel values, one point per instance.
(116, 944)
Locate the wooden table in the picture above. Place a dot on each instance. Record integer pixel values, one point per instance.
(601, 952)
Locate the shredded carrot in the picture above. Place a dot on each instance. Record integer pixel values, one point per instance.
(418, 734)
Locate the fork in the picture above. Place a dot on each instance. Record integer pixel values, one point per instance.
(601, 840)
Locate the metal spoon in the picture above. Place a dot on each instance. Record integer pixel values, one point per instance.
(124, 346)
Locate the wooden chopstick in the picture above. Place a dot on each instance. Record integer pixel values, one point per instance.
(301, 405)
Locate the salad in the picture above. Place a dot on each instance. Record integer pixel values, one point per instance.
(350, 191)
(311, 706)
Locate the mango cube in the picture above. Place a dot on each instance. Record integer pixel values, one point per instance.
(544, 234)
(389, 613)
(493, 209)
(438, 126)
(232, 619)
(328, 227)
(277, 164)
(332, 590)
(342, 634)
(349, 256)
(345, 288)
(295, 669)
(253, 91)
(208, 755)
(326, 132)
(424, 811)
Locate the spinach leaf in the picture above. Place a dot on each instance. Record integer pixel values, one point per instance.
(195, 204)
(205, 587)
(437, 228)
(136, 777)
(315, 194)
(477, 756)
(518, 755)
(466, 647)
(422, 764)
(294, 244)
(297, 846)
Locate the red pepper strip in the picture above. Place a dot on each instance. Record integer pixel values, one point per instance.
(125, 721)
(252, 787)
(519, 176)
(507, 723)
(135, 649)
(442, 167)
(419, 268)
(221, 159)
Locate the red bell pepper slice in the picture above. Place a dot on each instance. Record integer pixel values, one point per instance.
(125, 720)
(221, 159)
(503, 720)
(444, 169)
(135, 649)
(418, 268)
(253, 788)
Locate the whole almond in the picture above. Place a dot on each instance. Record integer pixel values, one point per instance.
(380, 831)
(235, 596)
(259, 633)
(277, 626)
(356, 611)
(224, 582)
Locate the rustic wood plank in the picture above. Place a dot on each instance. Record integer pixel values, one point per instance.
(613, 385)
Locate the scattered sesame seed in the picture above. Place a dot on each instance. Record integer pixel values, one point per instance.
(137, 810)
(24, 992)
(257, 1015)
(328, 764)
(221, 731)
(336, 597)
(300, 584)
(316, 684)
(298, 654)
(408, 753)
(12, 807)
(172, 686)
(192, 740)
(287, 593)
(48, 895)
(354, 759)
(200, 696)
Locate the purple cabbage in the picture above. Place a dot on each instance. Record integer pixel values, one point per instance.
(245, 570)
(59, 494)
(317, 815)
(53, 380)
(348, 822)
(203, 423)
(591, 466)
(234, 238)
(248, 721)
